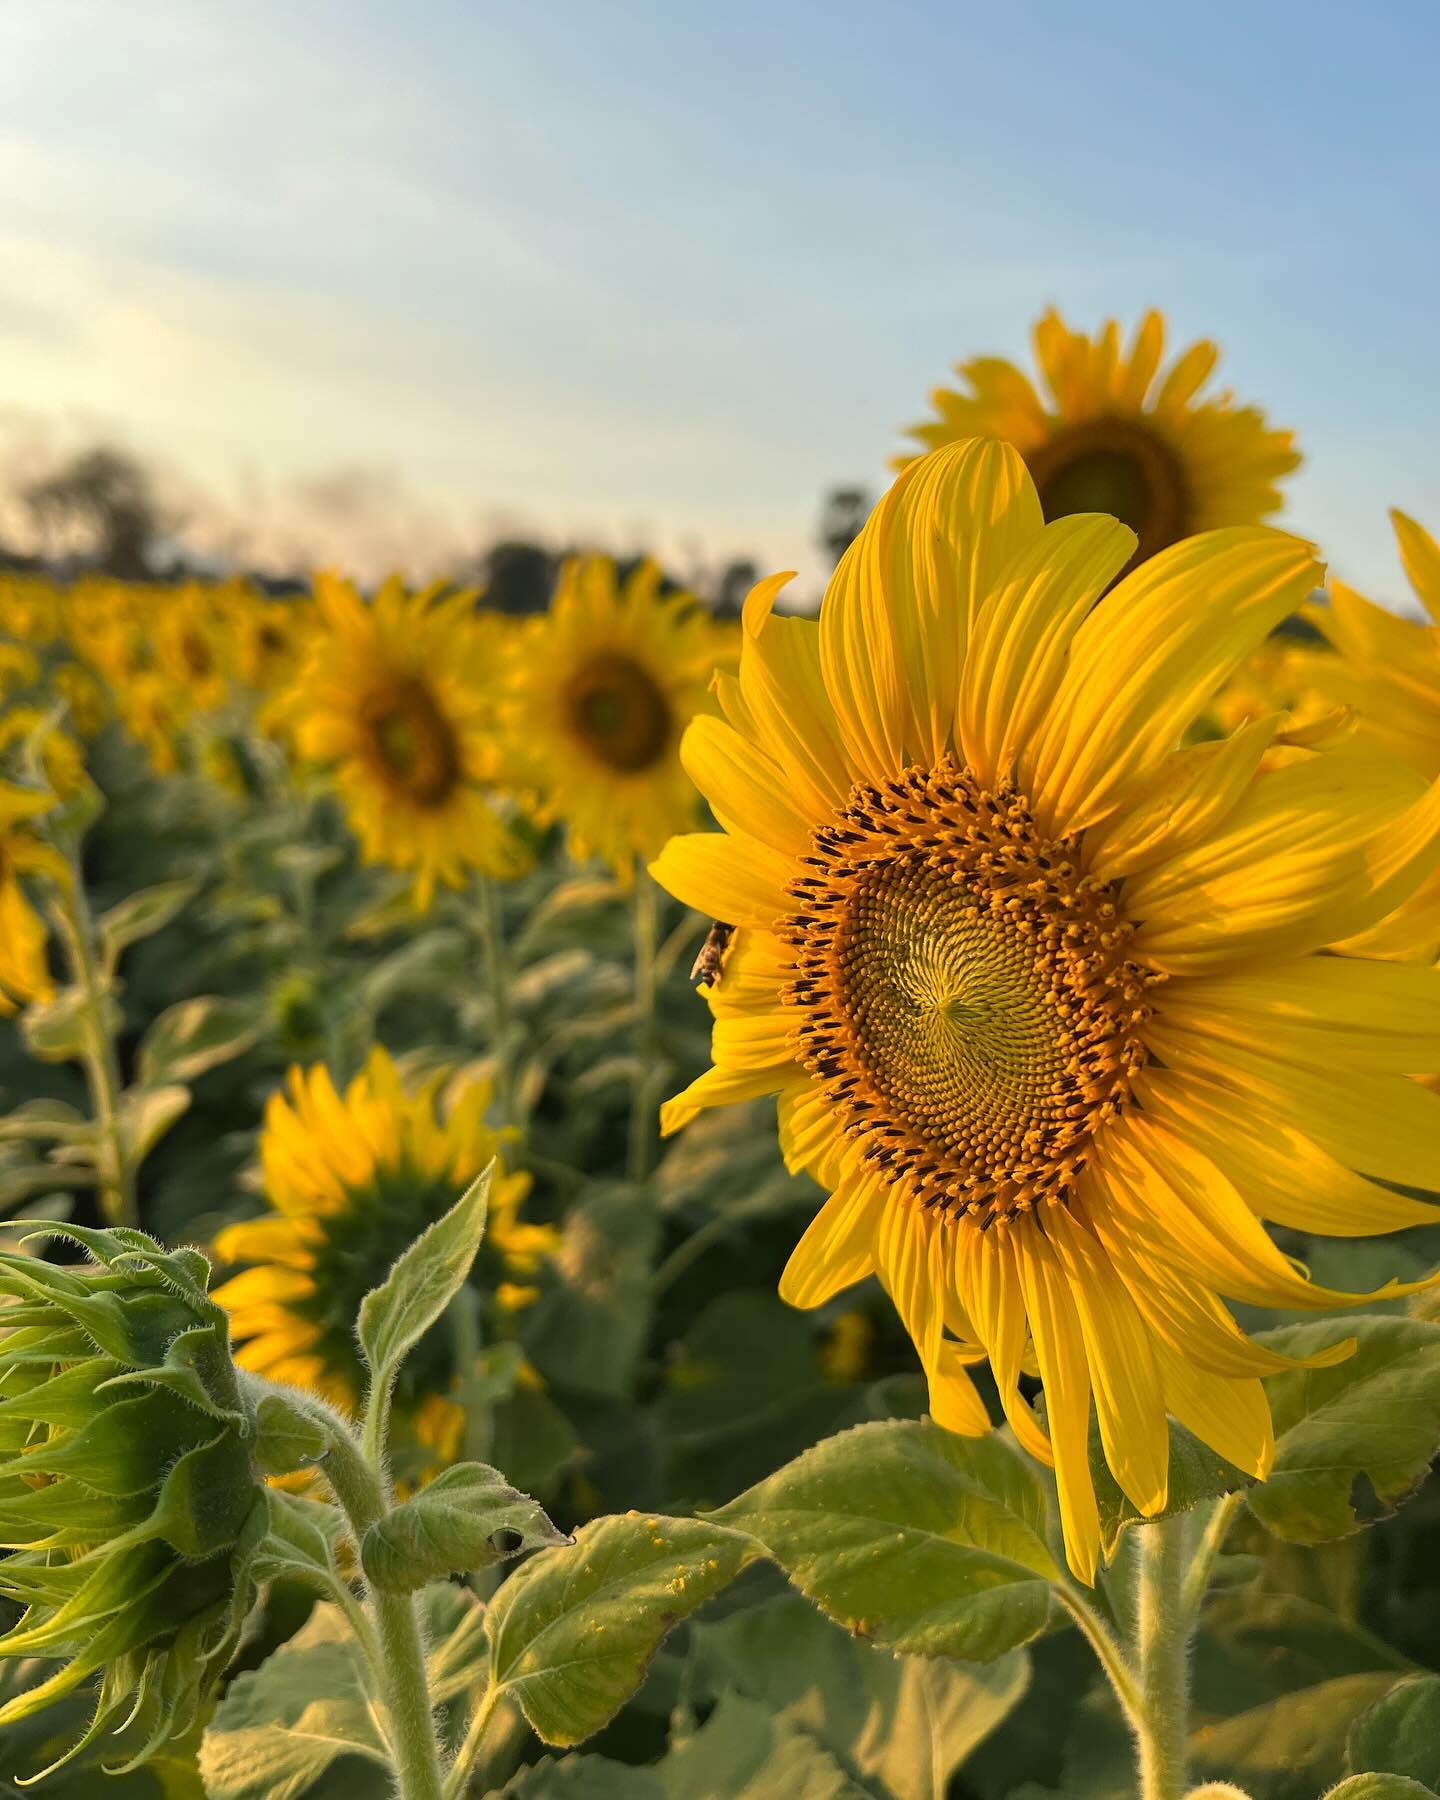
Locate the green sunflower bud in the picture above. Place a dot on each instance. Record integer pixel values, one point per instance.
(129, 1491)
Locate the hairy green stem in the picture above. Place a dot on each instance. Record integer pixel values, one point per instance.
(399, 1667)
(1202, 1563)
(98, 1055)
(1162, 1642)
(461, 1769)
(642, 1100)
(1107, 1649)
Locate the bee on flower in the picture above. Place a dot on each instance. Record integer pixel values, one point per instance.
(1047, 995)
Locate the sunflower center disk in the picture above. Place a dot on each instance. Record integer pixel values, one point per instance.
(1115, 466)
(618, 711)
(964, 993)
(412, 747)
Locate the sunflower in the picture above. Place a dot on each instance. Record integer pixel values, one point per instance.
(62, 761)
(1041, 993)
(1388, 667)
(24, 969)
(600, 690)
(396, 697)
(350, 1183)
(1113, 435)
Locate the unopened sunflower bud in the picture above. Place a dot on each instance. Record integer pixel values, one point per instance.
(128, 1485)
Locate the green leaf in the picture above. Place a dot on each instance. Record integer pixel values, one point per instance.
(469, 1517)
(905, 1723)
(281, 1726)
(583, 1778)
(1290, 1747)
(423, 1282)
(141, 915)
(1354, 1440)
(287, 1437)
(57, 1030)
(1197, 1475)
(1401, 1736)
(1381, 1787)
(572, 1631)
(146, 1114)
(589, 1329)
(47, 1121)
(194, 1036)
(300, 1536)
(745, 1753)
(911, 1537)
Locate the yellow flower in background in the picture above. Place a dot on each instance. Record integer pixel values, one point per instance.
(600, 690)
(62, 761)
(1388, 667)
(1042, 994)
(267, 637)
(1112, 434)
(19, 668)
(24, 969)
(187, 639)
(397, 698)
(83, 696)
(350, 1182)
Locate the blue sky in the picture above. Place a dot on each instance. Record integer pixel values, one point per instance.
(388, 277)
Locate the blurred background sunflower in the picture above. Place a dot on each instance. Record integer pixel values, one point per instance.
(349, 1183)
(598, 694)
(1109, 431)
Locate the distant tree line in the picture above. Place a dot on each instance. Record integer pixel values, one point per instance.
(101, 511)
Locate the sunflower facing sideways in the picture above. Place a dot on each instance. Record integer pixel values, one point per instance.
(1114, 435)
(600, 690)
(1042, 995)
(350, 1182)
(396, 697)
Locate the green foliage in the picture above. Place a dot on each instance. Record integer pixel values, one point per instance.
(1380, 1787)
(1354, 1440)
(1401, 1735)
(468, 1517)
(398, 1313)
(911, 1537)
(904, 1725)
(573, 1632)
(279, 1728)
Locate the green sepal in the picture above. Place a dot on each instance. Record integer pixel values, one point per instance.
(198, 1368)
(121, 1448)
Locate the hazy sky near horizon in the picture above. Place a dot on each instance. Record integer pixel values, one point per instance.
(386, 278)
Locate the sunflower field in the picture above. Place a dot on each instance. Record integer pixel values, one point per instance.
(641, 1206)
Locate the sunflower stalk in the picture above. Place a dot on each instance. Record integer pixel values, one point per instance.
(396, 1652)
(497, 976)
(98, 1056)
(1163, 1626)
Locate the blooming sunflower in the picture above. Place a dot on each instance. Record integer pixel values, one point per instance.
(350, 1183)
(1113, 435)
(24, 970)
(397, 697)
(1041, 993)
(599, 691)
